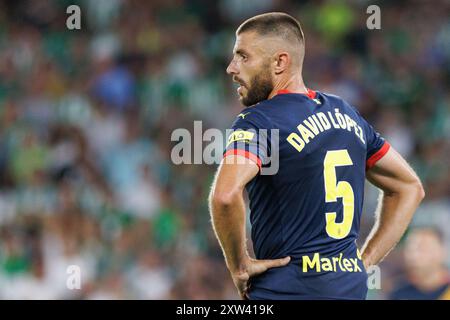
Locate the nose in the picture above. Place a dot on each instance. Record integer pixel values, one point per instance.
(231, 69)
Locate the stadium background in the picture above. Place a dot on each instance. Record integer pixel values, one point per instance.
(86, 116)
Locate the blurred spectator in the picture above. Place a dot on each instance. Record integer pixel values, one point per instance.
(427, 276)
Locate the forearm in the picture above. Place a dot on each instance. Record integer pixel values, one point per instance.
(394, 214)
(228, 219)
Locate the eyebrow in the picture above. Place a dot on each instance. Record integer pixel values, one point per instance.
(241, 51)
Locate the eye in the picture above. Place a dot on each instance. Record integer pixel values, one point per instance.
(243, 56)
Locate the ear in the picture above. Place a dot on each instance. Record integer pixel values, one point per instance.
(281, 62)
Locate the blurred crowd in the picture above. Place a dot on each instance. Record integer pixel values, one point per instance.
(86, 117)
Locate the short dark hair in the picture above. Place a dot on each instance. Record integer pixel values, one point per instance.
(274, 23)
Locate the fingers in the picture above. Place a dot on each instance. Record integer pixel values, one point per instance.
(242, 290)
(244, 293)
(241, 284)
(259, 266)
(256, 267)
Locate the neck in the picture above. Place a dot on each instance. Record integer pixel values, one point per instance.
(293, 84)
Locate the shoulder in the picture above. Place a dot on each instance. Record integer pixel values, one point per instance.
(339, 102)
(403, 291)
(335, 99)
(254, 116)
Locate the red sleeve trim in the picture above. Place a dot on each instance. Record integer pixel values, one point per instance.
(246, 154)
(377, 155)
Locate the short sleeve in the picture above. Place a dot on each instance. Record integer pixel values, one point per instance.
(248, 137)
(377, 146)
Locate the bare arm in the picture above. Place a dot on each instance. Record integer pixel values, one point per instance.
(227, 209)
(402, 194)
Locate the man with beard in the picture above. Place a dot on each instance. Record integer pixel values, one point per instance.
(305, 218)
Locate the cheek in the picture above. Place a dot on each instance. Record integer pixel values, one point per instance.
(422, 255)
(435, 255)
(412, 257)
(248, 71)
(244, 74)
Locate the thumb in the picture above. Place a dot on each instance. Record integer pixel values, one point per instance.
(276, 262)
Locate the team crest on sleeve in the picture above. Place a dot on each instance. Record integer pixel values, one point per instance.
(240, 135)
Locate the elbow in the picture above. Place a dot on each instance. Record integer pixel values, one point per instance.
(420, 190)
(412, 189)
(417, 189)
(223, 198)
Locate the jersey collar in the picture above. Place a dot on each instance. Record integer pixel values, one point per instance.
(311, 93)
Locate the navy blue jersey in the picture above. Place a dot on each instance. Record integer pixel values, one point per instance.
(410, 292)
(310, 208)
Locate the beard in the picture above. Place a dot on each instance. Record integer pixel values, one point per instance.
(259, 89)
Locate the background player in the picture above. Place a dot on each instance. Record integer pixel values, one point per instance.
(305, 218)
(427, 277)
